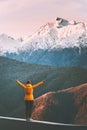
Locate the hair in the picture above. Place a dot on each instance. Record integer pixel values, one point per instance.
(28, 82)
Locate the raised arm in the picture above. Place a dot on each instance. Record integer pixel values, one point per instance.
(38, 84)
(21, 84)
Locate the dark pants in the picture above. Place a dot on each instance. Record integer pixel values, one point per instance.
(28, 106)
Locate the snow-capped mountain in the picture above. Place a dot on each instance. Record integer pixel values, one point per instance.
(60, 43)
(60, 34)
(9, 44)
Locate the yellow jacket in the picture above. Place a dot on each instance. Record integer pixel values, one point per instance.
(29, 89)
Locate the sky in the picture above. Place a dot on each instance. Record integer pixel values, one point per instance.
(21, 18)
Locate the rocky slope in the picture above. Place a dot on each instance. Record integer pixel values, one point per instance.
(66, 106)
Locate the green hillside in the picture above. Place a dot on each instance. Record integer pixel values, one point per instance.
(11, 95)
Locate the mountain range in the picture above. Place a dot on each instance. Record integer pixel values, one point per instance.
(58, 43)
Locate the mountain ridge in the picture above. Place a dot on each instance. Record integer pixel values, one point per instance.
(59, 43)
(69, 32)
(69, 105)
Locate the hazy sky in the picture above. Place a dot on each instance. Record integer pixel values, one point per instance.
(24, 17)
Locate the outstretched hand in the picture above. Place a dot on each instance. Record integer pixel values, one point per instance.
(16, 80)
(44, 81)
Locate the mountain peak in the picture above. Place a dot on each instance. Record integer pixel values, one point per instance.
(63, 22)
(45, 28)
(8, 44)
(5, 36)
(59, 34)
(50, 41)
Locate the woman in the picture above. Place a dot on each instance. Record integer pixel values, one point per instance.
(29, 97)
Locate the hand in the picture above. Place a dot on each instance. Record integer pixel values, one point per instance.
(16, 80)
(44, 81)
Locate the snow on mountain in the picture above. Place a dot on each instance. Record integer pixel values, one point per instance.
(60, 43)
(9, 44)
(53, 35)
(59, 34)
